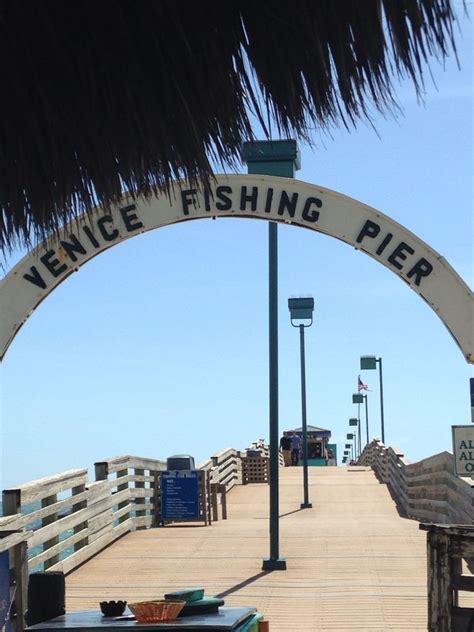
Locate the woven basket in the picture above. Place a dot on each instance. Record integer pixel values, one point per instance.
(153, 611)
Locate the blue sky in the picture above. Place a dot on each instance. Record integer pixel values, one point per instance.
(159, 345)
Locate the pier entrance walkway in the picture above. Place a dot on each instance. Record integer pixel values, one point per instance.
(353, 563)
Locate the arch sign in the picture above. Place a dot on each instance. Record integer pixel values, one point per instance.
(251, 196)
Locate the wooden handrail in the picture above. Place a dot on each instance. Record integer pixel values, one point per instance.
(447, 545)
(427, 490)
(72, 518)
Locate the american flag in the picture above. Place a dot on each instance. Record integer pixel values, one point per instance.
(361, 386)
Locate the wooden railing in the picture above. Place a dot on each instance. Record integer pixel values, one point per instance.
(70, 518)
(15, 543)
(447, 547)
(58, 522)
(427, 490)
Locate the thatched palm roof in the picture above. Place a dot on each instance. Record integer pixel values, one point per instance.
(102, 95)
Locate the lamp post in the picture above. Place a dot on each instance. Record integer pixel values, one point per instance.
(273, 158)
(358, 398)
(350, 437)
(356, 422)
(370, 362)
(301, 309)
(346, 451)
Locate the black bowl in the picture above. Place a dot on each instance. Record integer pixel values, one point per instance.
(112, 608)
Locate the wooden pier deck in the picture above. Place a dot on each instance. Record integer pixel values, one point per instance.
(353, 563)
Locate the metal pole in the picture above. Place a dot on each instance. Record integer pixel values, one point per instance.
(305, 504)
(275, 158)
(358, 429)
(381, 399)
(273, 388)
(360, 438)
(367, 418)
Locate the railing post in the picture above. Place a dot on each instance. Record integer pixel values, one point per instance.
(83, 525)
(215, 512)
(46, 502)
(121, 488)
(11, 506)
(20, 573)
(101, 471)
(439, 583)
(11, 502)
(156, 518)
(139, 501)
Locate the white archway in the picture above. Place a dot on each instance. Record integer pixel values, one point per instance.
(265, 197)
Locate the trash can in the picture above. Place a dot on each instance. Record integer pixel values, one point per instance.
(254, 453)
(180, 462)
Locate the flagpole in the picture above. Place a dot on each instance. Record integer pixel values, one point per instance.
(358, 429)
(367, 417)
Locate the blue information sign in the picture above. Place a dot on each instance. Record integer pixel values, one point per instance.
(180, 495)
(4, 588)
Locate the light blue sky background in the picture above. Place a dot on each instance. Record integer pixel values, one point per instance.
(159, 345)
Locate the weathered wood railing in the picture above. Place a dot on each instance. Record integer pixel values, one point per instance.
(447, 547)
(59, 522)
(14, 545)
(72, 518)
(130, 483)
(427, 490)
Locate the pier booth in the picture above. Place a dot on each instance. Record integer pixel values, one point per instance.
(320, 451)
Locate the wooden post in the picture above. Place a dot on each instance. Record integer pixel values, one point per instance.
(215, 513)
(456, 571)
(223, 492)
(120, 488)
(20, 574)
(202, 497)
(11, 502)
(156, 522)
(46, 502)
(82, 505)
(440, 591)
(101, 471)
(140, 501)
(208, 496)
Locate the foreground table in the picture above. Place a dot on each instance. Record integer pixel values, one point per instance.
(227, 619)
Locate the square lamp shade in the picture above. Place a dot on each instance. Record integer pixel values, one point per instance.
(301, 308)
(368, 362)
(346, 452)
(348, 445)
(357, 398)
(349, 435)
(353, 422)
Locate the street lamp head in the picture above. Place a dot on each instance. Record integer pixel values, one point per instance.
(353, 422)
(357, 398)
(301, 309)
(349, 435)
(347, 445)
(368, 362)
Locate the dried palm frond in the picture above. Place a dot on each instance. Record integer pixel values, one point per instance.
(105, 95)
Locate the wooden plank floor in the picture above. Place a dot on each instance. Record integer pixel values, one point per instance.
(353, 563)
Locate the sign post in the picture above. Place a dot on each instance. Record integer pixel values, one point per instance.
(471, 386)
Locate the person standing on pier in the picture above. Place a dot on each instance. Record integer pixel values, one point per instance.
(285, 445)
(295, 448)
